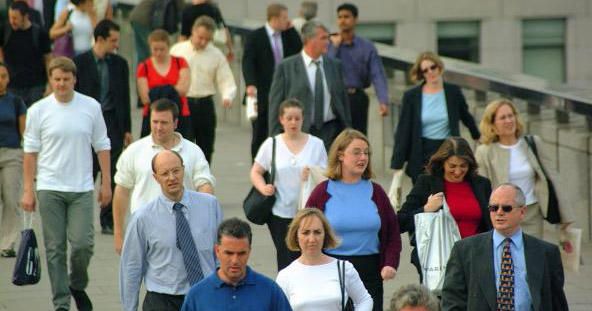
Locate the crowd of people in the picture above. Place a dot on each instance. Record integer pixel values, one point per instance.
(65, 117)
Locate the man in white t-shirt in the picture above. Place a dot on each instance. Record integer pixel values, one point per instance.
(134, 179)
(60, 131)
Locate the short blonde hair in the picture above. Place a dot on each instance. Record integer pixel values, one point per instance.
(206, 22)
(486, 126)
(415, 73)
(330, 240)
(338, 147)
(63, 63)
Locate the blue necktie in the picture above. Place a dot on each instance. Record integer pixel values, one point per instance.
(505, 292)
(187, 246)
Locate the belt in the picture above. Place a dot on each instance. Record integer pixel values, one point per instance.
(353, 90)
(207, 97)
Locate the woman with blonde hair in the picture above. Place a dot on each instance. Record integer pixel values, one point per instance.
(360, 212)
(312, 282)
(505, 156)
(431, 112)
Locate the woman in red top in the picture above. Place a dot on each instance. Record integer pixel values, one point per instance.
(451, 174)
(163, 75)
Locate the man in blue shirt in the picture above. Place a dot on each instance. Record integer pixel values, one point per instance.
(361, 66)
(504, 269)
(168, 242)
(235, 286)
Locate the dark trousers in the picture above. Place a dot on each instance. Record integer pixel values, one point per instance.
(116, 135)
(358, 101)
(368, 268)
(162, 302)
(328, 132)
(203, 120)
(260, 132)
(278, 227)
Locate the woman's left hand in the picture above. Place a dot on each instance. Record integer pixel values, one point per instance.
(388, 273)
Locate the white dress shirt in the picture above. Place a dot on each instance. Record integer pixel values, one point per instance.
(311, 70)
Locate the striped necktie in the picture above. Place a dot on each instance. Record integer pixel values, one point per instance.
(505, 292)
(187, 246)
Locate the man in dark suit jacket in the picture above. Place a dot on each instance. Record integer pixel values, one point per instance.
(104, 76)
(476, 277)
(326, 111)
(260, 60)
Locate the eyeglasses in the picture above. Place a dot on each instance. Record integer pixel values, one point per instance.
(176, 171)
(359, 153)
(431, 68)
(505, 208)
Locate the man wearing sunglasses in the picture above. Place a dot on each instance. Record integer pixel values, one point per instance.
(504, 269)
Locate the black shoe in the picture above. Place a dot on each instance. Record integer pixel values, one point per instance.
(107, 230)
(82, 301)
(8, 253)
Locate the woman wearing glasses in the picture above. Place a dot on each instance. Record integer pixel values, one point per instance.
(504, 156)
(360, 213)
(430, 114)
(451, 174)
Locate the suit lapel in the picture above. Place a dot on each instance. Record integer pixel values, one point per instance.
(501, 158)
(267, 48)
(484, 255)
(92, 64)
(535, 261)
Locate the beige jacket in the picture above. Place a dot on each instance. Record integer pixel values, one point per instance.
(494, 162)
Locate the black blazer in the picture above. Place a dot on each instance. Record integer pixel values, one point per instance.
(469, 283)
(430, 184)
(408, 147)
(87, 83)
(258, 62)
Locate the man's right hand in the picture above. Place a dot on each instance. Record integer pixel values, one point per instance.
(251, 91)
(118, 242)
(28, 201)
(335, 39)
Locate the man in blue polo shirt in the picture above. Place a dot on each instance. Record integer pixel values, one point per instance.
(235, 286)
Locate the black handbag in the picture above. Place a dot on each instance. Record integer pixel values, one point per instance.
(27, 268)
(553, 216)
(257, 206)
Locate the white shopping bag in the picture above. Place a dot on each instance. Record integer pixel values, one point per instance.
(435, 234)
(400, 187)
(315, 177)
(570, 245)
(251, 111)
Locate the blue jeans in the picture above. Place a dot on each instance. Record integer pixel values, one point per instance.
(141, 34)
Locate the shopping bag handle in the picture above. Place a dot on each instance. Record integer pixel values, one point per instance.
(28, 216)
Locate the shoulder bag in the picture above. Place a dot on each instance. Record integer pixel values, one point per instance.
(553, 216)
(257, 206)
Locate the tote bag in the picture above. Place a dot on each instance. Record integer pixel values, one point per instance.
(257, 207)
(27, 268)
(435, 234)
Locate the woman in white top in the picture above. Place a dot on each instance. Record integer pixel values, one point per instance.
(78, 20)
(295, 153)
(313, 281)
(504, 156)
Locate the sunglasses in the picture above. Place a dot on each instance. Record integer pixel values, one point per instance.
(431, 68)
(506, 208)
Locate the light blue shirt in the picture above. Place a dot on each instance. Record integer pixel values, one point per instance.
(354, 217)
(434, 116)
(150, 249)
(522, 298)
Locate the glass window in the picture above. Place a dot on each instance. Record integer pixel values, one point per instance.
(459, 40)
(543, 48)
(377, 32)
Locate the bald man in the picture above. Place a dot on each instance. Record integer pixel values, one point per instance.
(169, 261)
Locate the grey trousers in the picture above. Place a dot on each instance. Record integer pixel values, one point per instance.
(11, 184)
(67, 217)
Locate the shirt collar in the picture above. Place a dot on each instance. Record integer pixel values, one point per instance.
(270, 31)
(516, 238)
(168, 203)
(97, 59)
(249, 279)
(176, 147)
(308, 60)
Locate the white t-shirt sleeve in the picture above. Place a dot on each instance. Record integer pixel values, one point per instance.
(282, 280)
(100, 140)
(32, 135)
(264, 154)
(355, 289)
(124, 175)
(201, 170)
(320, 153)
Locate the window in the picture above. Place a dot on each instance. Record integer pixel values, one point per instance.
(377, 32)
(543, 48)
(459, 40)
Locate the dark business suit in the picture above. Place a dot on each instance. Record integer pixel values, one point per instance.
(118, 119)
(427, 185)
(408, 143)
(258, 68)
(469, 283)
(290, 80)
